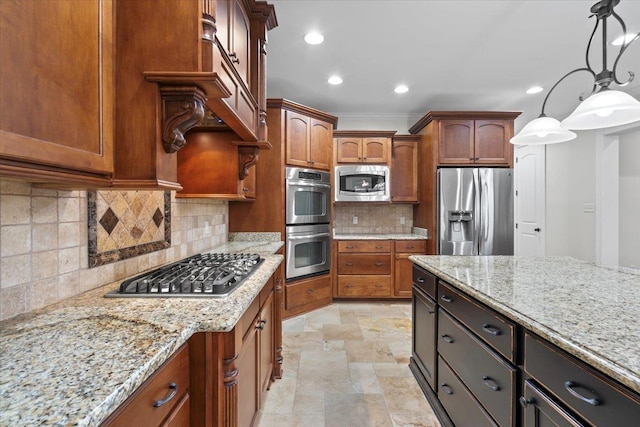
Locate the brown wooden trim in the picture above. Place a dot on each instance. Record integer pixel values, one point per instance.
(248, 157)
(364, 133)
(145, 184)
(472, 115)
(285, 104)
(51, 177)
(406, 138)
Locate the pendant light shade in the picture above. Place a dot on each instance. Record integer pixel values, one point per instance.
(543, 130)
(604, 109)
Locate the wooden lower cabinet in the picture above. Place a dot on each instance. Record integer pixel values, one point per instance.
(162, 400)
(307, 294)
(540, 410)
(375, 268)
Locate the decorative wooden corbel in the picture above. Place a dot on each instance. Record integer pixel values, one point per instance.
(248, 157)
(182, 108)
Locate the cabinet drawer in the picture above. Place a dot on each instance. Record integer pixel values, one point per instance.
(247, 320)
(298, 294)
(486, 375)
(588, 393)
(411, 246)
(463, 409)
(425, 281)
(364, 264)
(364, 246)
(139, 409)
(364, 286)
(493, 328)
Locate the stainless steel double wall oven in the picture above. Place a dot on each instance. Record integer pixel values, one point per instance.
(308, 212)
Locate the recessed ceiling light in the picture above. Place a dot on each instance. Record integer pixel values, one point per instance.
(314, 38)
(335, 80)
(623, 39)
(534, 89)
(401, 89)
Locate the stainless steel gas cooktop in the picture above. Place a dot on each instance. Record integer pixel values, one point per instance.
(202, 275)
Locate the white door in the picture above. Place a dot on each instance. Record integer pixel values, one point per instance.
(530, 200)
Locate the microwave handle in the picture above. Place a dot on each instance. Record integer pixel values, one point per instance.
(308, 236)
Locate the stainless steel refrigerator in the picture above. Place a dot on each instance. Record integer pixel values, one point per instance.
(475, 211)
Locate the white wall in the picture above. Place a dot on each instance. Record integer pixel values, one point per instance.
(629, 213)
(571, 182)
(399, 123)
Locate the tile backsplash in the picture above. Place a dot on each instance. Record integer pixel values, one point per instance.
(44, 244)
(372, 218)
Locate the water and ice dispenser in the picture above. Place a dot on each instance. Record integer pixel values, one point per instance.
(460, 226)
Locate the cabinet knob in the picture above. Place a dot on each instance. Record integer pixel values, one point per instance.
(245, 189)
(477, 158)
(470, 158)
(234, 58)
(524, 402)
(537, 229)
(445, 387)
(378, 264)
(310, 291)
(348, 263)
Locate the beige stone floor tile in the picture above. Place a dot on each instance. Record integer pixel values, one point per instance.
(308, 404)
(368, 351)
(392, 370)
(333, 345)
(385, 327)
(356, 410)
(403, 395)
(280, 397)
(295, 324)
(326, 385)
(302, 340)
(341, 332)
(364, 379)
(314, 364)
(415, 420)
(291, 420)
(290, 363)
(349, 318)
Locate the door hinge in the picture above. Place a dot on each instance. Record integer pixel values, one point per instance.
(516, 225)
(516, 192)
(516, 160)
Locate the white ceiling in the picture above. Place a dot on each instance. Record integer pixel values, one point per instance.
(453, 55)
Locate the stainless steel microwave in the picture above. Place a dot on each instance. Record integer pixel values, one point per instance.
(362, 183)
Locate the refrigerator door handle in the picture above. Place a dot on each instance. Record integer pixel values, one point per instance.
(477, 220)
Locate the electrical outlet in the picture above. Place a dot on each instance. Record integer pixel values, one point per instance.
(402, 220)
(355, 219)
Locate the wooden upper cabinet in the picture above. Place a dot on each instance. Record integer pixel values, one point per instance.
(463, 142)
(57, 86)
(363, 146)
(456, 144)
(404, 169)
(233, 36)
(308, 141)
(320, 144)
(492, 144)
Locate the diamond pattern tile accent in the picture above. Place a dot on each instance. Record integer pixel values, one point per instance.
(158, 217)
(109, 221)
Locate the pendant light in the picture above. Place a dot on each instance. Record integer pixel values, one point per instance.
(603, 108)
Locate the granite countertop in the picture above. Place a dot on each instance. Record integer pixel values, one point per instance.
(588, 311)
(75, 362)
(408, 236)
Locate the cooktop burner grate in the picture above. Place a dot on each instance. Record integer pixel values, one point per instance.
(202, 275)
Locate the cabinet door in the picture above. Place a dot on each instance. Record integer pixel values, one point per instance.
(180, 417)
(456, 143)
(240, 49)
(247, 365)
(266, 344)
(403, 276)
(492, 142)
(404, 171)
(375, 150)
(424, 335)
(541, 411)
(320, 145)
(223, 24)
(349, 150)
(297, 134)
(57, 84)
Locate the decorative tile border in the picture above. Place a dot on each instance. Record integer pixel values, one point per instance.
(125, 224)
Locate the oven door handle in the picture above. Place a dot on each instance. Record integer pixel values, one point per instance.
(308, 236)
(291, 183)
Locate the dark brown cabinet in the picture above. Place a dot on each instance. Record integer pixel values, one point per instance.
(424, 326)
(485, 142)
(57, 116)
(404, 169)
(541, 411)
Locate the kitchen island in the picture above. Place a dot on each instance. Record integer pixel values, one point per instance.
(585, 315)
(75, 362)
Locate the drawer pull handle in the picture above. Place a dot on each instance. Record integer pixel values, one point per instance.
(349, 286)
(446, 298)
(349, 247)
(378, 264)
(174, 390)
(420, 279)
(378, 285)
(491, 330)
(348, 263)
(570, 385)
(409, 247)
(261, 324)
(526, 401)
(310, 291)
(431, 311)
(445, 387)
(378, 247)
(490, 382)
(446, 338)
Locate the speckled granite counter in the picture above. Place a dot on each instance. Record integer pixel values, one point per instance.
(75, 362)
(588, 311)
(408, 236)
